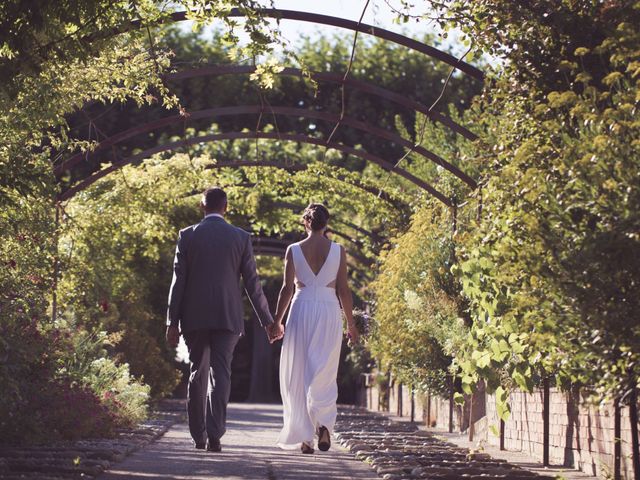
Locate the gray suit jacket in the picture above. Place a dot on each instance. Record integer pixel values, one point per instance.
(205, 291)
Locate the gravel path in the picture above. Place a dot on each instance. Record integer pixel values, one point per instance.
(367, 446)
(248, 452)
(85, 458)
(400, 451)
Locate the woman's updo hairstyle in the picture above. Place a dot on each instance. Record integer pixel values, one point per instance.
(316, 215)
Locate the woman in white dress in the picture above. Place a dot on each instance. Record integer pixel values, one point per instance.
(315, 277)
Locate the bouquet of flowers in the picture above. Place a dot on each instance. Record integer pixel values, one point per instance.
(363, 325)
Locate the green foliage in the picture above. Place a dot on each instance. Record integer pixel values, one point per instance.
(551, 269)
(125, 398)
(86, 363)
(419, 320)
(41, 402)
(55, 57)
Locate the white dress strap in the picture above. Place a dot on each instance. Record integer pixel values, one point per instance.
(328, 272)
(299, 264)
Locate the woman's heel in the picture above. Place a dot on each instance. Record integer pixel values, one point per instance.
(324, 439)
(306, 448)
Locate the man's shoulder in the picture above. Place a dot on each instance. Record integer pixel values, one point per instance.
(228, 228)
(243, 235)
(237, 230)
(220, 226)
(186, 231)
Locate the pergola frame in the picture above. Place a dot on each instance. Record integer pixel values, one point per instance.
(251, 135)
(217, 70)
(282, 14)
(265, 246)
(342, 80)
(277, 243)
(211, 113)
(295, 208)
(320, 76)
(396, 203)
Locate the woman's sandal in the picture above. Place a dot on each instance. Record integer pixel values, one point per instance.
(324, 439)
(306, 448)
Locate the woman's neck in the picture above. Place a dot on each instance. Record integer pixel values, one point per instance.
(315, 233)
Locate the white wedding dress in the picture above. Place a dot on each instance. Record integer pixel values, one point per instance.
(311, 351)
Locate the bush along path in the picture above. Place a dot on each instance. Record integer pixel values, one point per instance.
(86, 458)
(399, 451)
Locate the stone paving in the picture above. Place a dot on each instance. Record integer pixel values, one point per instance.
(367, 446)
(248, 452)
(398, 451)
(84, 458)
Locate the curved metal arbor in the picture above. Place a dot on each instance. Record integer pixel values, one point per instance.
(281, 110)
(396, 203)
(265, 246)
(342, 23)
(282, 14)
(259, 109)
(281, 245)
(331, 78)
(252, 135)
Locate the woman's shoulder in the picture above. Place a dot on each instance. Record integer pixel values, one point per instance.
(291, 247)
(337, 245)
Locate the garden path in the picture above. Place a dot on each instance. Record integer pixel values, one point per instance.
(248, 452)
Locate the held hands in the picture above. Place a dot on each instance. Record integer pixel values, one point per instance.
(275, 331)
(172, 335)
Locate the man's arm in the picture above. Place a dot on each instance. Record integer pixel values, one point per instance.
(252, 285)
(176, 292)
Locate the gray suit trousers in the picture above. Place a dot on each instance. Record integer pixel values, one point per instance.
(210, 354)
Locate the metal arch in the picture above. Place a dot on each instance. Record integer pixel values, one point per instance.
(299, 208)
(398, 204)
(296, 208)
(323, 20)
(277, 248)
(254, 135)
(257, 109)
(277, 243)
(331, 78)
(345, 236)
(246, 163)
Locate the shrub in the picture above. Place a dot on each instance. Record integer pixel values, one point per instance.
(125, 397)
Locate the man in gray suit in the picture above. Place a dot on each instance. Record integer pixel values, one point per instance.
(205, 305)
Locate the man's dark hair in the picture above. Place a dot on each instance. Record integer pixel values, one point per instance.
(214, 199)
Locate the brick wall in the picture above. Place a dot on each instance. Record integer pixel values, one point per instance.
(580, 435)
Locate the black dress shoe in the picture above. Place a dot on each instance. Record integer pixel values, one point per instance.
(214, 445)
(201, 446)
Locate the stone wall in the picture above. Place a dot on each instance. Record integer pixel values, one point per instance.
(580, 435)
